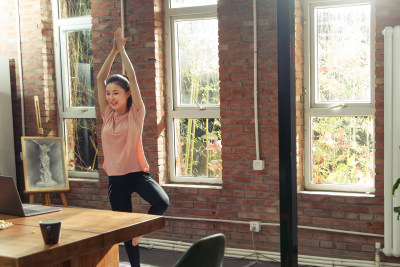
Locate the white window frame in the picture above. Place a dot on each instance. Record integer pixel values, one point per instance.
(311, 109)
(61, 26)
(176, 111)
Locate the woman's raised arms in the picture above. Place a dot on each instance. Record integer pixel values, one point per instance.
(102, 78)
(130, 72)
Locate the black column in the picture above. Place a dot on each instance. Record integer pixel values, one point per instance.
(287, 132)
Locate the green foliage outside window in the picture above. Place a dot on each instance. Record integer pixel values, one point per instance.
(199, 140)
(199, 148)
(82, 137)
(74, 8)
(82, 144)
(80, 60)
(342, 151)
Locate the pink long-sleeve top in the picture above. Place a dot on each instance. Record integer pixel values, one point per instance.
(122, 142)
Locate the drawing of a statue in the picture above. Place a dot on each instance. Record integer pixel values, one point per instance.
(45, 174)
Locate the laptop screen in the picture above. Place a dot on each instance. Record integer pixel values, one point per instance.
(10, 202)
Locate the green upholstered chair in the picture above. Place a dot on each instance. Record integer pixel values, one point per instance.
(206, 252)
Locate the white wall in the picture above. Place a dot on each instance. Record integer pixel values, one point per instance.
(7, 153)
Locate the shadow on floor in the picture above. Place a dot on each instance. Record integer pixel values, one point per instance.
(164, 258)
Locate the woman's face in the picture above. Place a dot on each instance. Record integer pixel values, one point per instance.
(117, 98)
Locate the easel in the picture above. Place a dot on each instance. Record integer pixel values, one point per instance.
(45, 195)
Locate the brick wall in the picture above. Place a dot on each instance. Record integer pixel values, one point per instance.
(38, 65)
(246, 194)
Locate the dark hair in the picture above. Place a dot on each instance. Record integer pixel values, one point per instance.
(123, 81)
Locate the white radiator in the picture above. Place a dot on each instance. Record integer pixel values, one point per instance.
(392, 138)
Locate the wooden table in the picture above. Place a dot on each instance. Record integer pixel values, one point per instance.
(89, 237)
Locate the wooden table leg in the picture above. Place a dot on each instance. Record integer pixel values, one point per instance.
(31, 198)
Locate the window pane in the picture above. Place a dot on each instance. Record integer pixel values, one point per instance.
(81, 144)
(198, 62)
(74, 8)
(343, 150)
(186, 3)
(343, 52)
(198, 148)
(80, 68)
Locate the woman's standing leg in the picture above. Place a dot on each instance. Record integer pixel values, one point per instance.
(119, 193)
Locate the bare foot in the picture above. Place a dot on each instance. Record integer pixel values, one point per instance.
(136, 240)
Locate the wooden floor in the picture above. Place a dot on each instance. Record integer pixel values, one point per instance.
(163, 258)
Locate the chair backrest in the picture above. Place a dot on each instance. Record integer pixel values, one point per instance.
(206, 252)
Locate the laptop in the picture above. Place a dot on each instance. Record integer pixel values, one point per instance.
(10, 202)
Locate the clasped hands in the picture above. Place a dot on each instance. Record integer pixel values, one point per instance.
(119, 42)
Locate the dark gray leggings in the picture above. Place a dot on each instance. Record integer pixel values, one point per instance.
(120, 191)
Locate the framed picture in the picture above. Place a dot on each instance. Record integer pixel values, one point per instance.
(44, 164)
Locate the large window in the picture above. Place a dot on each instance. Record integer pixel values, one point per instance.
(339, 103)
(193, 81)
(76, 95)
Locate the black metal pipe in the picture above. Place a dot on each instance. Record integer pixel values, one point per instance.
(287, 132)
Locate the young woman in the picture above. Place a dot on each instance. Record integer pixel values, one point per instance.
(123, 112)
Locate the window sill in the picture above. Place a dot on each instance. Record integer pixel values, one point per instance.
(342, 194)
(198, 186)
(89, 180)
(83, 176)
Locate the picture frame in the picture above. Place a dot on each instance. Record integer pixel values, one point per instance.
(44, 164)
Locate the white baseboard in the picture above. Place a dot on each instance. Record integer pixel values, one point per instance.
(270, 256)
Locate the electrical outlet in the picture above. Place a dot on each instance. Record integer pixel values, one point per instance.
(254, 226)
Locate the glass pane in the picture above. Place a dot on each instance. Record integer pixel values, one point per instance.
(80, 68)
(74, 8)
(186, 3)
(198, 148)
(343, 51)
(343, 150)
(81, 144)
(198, 62)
